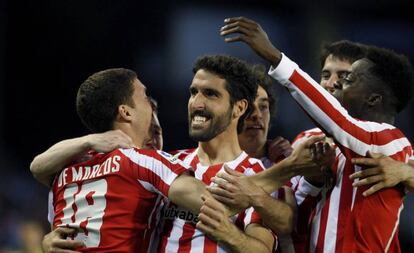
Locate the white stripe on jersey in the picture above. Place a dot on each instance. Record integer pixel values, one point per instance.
(333, 214)
(315, 225)
(354, 189)
(152, 164)
(303, 189)
(50, 208)
(148, 186)
(397, 222)
(174, 238)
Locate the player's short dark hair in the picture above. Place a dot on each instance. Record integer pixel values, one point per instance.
(267, 83)
(396, 72)
(154, 104)
(344, 50)
(240, 83)
(101, 94)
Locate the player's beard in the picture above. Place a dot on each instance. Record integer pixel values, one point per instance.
(217, 125)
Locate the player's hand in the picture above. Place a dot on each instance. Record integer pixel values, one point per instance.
(251, 33)
(55, 241)
(379, 170)
(278, 149)
(235, 189)
(305, 160)
(323, 154)
(214, 220)
(110, 140)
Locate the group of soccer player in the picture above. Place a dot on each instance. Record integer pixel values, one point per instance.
(337, 188)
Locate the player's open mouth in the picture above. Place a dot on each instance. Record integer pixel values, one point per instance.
(199, 121)
(254, 127)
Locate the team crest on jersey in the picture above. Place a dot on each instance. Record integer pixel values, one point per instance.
(172, 159)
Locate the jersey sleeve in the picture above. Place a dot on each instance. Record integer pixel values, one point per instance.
(155, 170)
(356, 135)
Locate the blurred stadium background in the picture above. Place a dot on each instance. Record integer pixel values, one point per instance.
(47, 48)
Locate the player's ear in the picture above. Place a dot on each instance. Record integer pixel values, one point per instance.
(374, 99)
(124, 113)
(239, 108)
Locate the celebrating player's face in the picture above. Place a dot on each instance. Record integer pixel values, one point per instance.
(333, 69)
(209, 111)
(353, 90)
(256, 125)
(155, 140)
(142, 110)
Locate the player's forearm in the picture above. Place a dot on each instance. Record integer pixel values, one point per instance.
(277, 215)
(48, 163)
(277, 175)
(186, 192)
(239, 242)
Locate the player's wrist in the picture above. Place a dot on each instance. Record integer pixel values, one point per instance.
(87, 142)
(274, 56)
(234, 238)
(408, 174)
(259, 200)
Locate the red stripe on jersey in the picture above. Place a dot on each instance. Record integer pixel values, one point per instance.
(211, 172)
(194, 163)
(256, 218)
(186, 238)
(74, 207)
(149, 176)
(383, 137)
(210, 246)
(322, 227)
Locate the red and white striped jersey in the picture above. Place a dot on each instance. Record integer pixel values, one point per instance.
(306, 197)
(179, 233)
(112, 199)
(344, 220)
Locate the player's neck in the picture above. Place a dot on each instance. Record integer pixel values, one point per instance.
(255, 152)
(137, 138)
(223, 148)
(378, 117)
(250, 144)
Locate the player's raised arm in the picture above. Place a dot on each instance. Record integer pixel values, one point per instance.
(356, 135)
(45, 165)
(251, 33)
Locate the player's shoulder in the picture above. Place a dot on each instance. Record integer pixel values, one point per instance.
(304, 134)
(312, 131)
(182, 153)
(254, 164)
